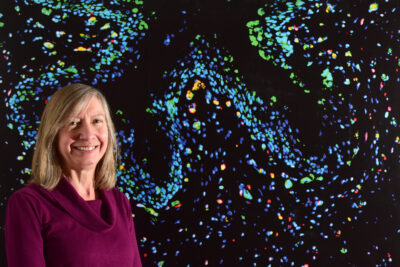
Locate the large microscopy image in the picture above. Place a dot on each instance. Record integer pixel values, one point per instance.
(252, 133)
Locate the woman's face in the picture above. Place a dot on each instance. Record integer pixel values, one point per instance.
(83, 140)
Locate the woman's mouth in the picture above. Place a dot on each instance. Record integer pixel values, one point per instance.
(85, 148)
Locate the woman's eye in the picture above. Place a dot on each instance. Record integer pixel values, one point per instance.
(97, 121)
(73, 123)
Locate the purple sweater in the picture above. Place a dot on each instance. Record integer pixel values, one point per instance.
(60, 228)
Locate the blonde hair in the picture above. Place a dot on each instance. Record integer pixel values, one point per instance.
(46, 163)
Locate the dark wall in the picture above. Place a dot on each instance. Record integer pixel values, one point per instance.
(252, 132)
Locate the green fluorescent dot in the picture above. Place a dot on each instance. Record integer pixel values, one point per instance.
(46, 11)
(176, 202)
(262, 54)
(253, 40)
(305, 180)
(48, 45)
(288, 184)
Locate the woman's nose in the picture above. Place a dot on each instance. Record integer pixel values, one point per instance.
(86, 130)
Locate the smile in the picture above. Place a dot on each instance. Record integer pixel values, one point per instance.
(85, 148)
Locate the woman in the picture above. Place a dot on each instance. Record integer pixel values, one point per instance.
(71, 214)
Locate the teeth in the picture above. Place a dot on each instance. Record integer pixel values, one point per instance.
(85, 148)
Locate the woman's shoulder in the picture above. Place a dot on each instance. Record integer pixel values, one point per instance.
(118, 194)
(30, 196)
(120, 197)
(28, 191)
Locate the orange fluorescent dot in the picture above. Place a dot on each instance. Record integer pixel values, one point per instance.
(220, 201)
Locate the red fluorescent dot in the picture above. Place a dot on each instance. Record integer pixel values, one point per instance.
(220, 201)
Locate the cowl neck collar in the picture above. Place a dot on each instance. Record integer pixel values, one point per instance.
(69, 199)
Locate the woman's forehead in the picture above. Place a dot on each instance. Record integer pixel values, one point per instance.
(91, 106)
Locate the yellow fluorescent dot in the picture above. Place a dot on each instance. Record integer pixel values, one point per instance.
(198, 85)
(114, 34)
(328, 8)
(80, 49)
(189, 95)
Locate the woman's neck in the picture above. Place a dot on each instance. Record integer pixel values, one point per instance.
(83, 182)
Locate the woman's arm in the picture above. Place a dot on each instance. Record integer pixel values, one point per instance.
(136, 262)
(23, 232)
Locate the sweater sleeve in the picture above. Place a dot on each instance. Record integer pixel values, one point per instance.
(24, 243)
(136, 262)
